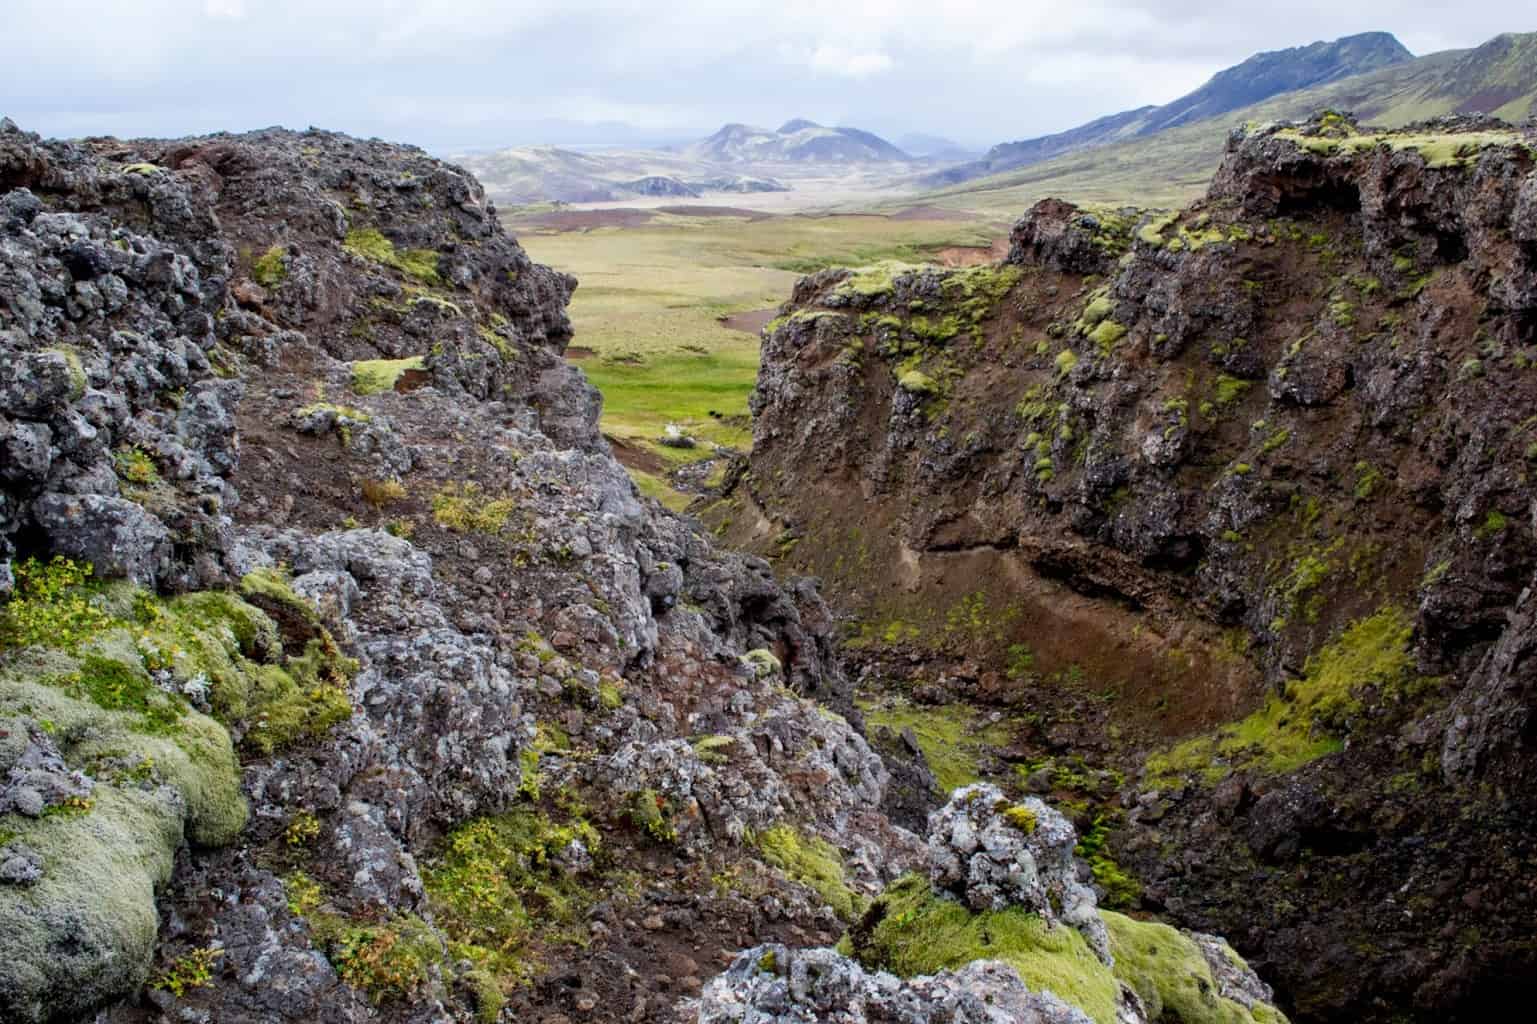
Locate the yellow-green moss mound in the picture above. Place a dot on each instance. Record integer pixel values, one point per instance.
(111, 679)
(911, 930)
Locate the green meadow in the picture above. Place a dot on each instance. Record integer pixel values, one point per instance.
(651, 308)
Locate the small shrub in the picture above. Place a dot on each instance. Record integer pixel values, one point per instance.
(379, 493)
(136, 467)
(271, 268)
(195, 970)
(464, 508)
(51, 606)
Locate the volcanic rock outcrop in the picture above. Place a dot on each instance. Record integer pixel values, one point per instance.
(1233, 504)
(343, 673)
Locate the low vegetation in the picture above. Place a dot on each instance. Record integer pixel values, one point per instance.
(1316, 713)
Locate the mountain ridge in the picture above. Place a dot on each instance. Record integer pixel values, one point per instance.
(1257, 78)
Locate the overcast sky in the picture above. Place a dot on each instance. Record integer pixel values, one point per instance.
(481, 73)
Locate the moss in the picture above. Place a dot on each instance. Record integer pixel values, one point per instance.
(916, 932)
(369, 244)
(390, 962)
(649, 812)
(877, 279)
(1278, 438)
(271, 268)
(1170, 974)
(1106, 336)
(1230, 389)
(1317, 710)
(917, 383)
(135, 466)
(911, 930)
(942, 329)
(373, 376)
(494, 888)
(305, 895)
(464, 508)
(1022, 818)
(1493, 525)
(952, 738)
(52, 603)
(1066, 362)
(85, 932)
(812, 862)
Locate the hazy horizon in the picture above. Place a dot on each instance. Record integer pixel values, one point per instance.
(472, 76)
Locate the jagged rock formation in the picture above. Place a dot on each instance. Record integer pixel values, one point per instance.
(293, 472)
(1236, 501)
(987, 936)
(1260, 77)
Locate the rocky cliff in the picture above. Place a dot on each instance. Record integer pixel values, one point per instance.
(343, 674)
(1227, 515)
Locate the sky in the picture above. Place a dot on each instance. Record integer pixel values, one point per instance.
(482, 74)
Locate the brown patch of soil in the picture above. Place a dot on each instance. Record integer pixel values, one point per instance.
(930, 213)
(586, 220)
(751, 323)
(714, 211)
(633, 456)
(972, 255)
(579, 352)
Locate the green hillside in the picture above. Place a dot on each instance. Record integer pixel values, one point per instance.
(1173, 166)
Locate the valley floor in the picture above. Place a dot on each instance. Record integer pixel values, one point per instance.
(671, 299)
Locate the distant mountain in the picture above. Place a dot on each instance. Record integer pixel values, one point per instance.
(797, 141)
(1174, 165)
(1258, 78)
(935, 147)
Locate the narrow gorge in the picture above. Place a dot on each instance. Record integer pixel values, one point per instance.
(1139, 629)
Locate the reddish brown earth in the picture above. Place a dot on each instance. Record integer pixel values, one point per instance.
(752, 323)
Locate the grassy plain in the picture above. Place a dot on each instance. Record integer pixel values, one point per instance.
(653, 296)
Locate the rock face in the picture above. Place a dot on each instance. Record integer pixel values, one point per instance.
(1255, 476)
(461, 662)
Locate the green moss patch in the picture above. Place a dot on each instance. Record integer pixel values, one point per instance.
(374, 376)
(951, 736)
(911, 930)
(270, 269)
(813, 862)
(368, 243)
(1170, 974)
(85, 932)
(1317, 710)
(494, 890)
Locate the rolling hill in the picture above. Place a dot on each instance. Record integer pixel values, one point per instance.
(1256, 79)
(1174, 165)
(533, 174)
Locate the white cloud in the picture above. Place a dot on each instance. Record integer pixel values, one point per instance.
(835, 60)
(466, 72)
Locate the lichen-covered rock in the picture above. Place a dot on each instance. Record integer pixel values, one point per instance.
(773, 984)
(991, 853)
(435, 621)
